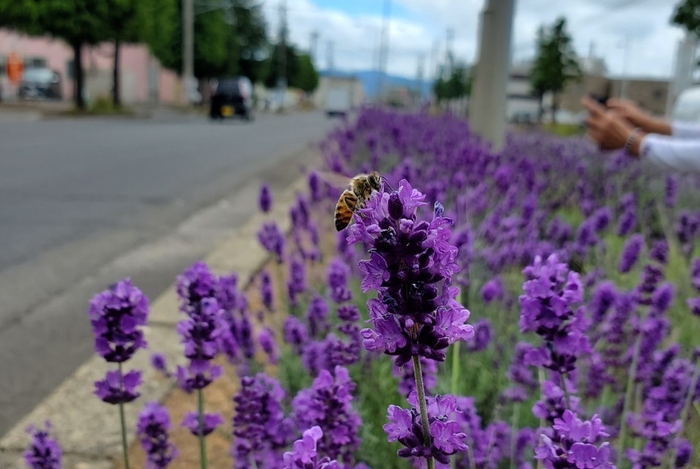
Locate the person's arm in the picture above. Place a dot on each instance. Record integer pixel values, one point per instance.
(638, 118)
(685, 130)
(668, 153)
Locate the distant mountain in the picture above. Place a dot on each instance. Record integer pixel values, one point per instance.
(370, 80)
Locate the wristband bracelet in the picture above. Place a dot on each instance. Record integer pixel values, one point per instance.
(630, 140)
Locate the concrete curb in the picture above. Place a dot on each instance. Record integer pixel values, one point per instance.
(88, 429)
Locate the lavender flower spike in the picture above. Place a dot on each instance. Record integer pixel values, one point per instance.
(265, 198)
(115, 315)
(630, 253)
(152, 428)
(44, 451)
(304, 454)
(411, 265)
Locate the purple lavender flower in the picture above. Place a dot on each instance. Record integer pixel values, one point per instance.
(520, 374)
(295, 334)
(266, 293)
(490, 446)
(272, 239)
(695, 273)
(228, 295)
(211, 421)
(296, 284)
(604, 297)
(630, 253)
(317, 316)
(266, 338)
(627, 223)
(115, 389)
(337, 274)
(160, 364)
(482, 336)
(265, 198)
(671, 191)
(198, 375)
(662, 298)
(659, 251)
(195, 284)
(551, 292)
(115, 315)
(328, 404)
(152, 429)
(304, 454)
(259, 424)
(493, 289)
(601, 219)
(201, 332)
(315, 186)
(44, 451)
(579, 444)
(405, 427)
(411, 265)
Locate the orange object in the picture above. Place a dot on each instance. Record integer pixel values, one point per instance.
(14, 68)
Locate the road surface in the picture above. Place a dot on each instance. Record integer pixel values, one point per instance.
(86, 202)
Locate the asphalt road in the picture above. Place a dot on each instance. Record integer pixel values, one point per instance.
(86, 202)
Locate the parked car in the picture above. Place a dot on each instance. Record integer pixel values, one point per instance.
(232, 97)
(40, 83)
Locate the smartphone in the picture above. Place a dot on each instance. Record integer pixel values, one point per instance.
(601, 99)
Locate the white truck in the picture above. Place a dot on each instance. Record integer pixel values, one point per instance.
(338, 101)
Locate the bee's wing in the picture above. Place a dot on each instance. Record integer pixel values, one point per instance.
(334, 179)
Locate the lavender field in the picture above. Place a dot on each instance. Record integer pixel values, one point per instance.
(533, 307)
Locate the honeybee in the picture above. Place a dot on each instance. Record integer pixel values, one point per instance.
(358, 191)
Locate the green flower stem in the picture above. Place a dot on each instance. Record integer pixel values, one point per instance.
(686, 409)
(629, 394)
(513, 433)
(202, 443)
(455, 382)
(125, 448)
(422, 405)
(455, 368)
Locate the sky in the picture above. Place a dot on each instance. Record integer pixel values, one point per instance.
(418, 31)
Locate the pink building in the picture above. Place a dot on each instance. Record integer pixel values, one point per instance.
(142, 78)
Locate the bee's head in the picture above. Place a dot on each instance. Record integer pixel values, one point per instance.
(375, 180)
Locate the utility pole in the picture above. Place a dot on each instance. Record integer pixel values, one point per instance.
(419, 75)
(433, 66)
(188, 47)
(487, 107)
(625, 81)
(449, 56)
(329, 55)
(282, 55)
(384, 47)
(313, 42)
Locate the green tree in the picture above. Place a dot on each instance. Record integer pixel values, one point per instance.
(687, 16)
(211, 34)
(456, 86)
(125, 22)
(555, 64)
(251, 45)
(290, 65)
(77, 22)
(306, 78)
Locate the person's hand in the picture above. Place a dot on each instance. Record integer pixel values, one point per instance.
(629, 111)
(608, 128)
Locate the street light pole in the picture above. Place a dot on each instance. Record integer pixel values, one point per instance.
(187, 46)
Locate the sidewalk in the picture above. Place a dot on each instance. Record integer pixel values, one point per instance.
(87, 428)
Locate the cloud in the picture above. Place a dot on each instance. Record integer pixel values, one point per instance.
(423, 23)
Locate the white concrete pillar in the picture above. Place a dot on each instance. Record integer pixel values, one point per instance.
(487, 108)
